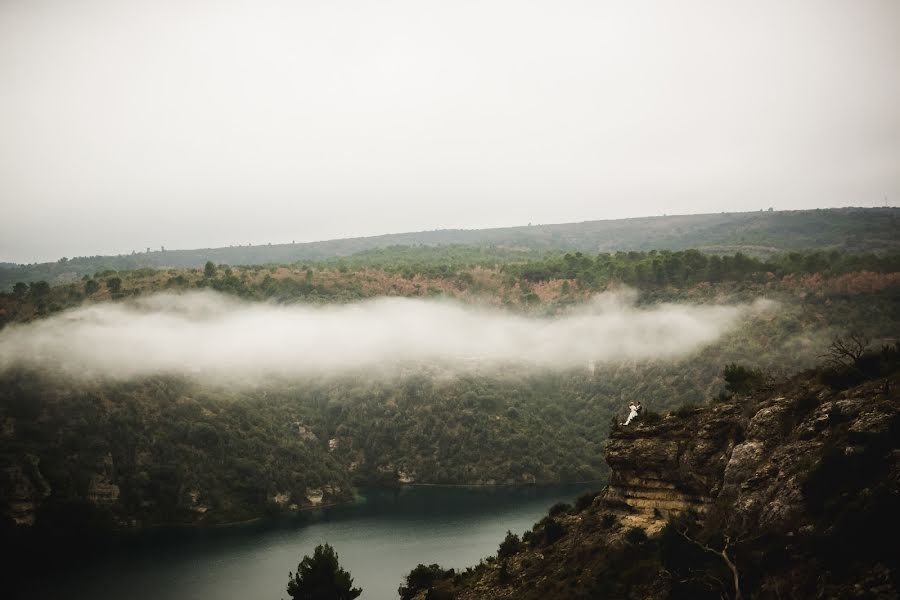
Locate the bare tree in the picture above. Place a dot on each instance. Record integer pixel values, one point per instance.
(845, 351)
(723, 554)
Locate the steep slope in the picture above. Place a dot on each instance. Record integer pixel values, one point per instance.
(790, 493)
(168, 450)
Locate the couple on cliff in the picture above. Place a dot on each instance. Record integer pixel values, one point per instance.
(635, 410)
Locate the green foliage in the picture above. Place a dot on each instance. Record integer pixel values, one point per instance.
(114, 284)
(742, 380)
(91, 287)
(686, 411)
(462, 430)
(320, 577)
(423, 578)
(239, 448)
(510, 546)
(649, 417)
(39, 289)
(655, 269)
(560, 508)
(546, 532)
(234, 450)
(585, 500)
(438, 594)
(514, 425)
(209, 270)
(860, 231)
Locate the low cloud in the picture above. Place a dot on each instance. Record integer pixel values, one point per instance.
(207, 334)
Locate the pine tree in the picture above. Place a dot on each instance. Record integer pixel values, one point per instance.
(320, 577)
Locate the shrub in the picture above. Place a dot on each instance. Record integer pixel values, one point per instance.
(546, 532)
(649, 417)
(841, 377)
(559, 508)
(685, 411)
(635, 535)
(423, 578)
(39, 289)
(553, 531)
(741, 380)
(510, 546)
(585, 500)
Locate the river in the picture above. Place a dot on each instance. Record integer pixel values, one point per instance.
(378, 540)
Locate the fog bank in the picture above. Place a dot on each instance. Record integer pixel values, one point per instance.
(208, 334)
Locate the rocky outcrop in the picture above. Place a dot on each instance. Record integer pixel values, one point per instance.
(789, 493)
(314, 496)
(672, 466)
(753, 455)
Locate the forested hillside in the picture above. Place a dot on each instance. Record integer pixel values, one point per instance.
(760, 233)
(543, 285)
(171, 449)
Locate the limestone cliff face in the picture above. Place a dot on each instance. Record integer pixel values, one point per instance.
(796, 487)
(753, 455)
(672, 466)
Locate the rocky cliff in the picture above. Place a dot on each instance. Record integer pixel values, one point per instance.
(676, 465)
(788, 493)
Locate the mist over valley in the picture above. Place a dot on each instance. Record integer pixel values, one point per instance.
(216, 336)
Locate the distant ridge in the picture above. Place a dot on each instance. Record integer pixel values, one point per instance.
(759, 233)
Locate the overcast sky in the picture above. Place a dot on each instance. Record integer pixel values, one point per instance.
(194, 123)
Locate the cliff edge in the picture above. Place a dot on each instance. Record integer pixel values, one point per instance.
(791, 492)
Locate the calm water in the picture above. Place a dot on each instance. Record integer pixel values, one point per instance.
(378, 541)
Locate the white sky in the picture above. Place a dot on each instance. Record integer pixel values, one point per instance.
(193, 123)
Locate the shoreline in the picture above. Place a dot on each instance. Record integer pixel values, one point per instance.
(358, 497)
(499, 485)
(288, 516)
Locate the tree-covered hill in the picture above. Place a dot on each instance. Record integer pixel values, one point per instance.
(759, 233)
(544, 285)
(172, 449)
